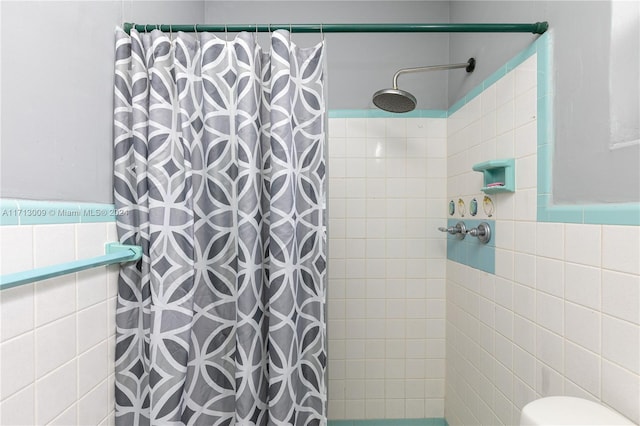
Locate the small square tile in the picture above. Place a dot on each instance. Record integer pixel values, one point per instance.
(526, 141)
(621, 390)
(55, 345)
(505, 89)
(356, 128)
(17, 313)
(583, 285)
(92, 407)
(524, 301)
(54, 244)
(16, 364)
(56, 392)
(582, 326)
(621, 295)
(68, 417)
(583, 243)
(583, 368)
(621, 248)
(526, 107)
(550, 240)
(19, 408)
(549, 349)
(92, 326)
(55, 298)
(621, 343)
(550, 312)
(16, 249)
(550, 276)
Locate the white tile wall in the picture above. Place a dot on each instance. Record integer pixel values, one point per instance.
(387, 180)
(561, 316)
(566, 300)
(57, 335)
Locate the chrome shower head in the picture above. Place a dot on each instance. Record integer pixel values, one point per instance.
(396, 100)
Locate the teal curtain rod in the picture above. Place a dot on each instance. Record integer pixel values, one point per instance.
(536, 28)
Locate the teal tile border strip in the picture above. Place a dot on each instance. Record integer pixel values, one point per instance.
(434, 421)
(9, 212)
(27, 212)
(377, 113)
(34, 212)
(497, 75)
(470, 251)
(599, 214)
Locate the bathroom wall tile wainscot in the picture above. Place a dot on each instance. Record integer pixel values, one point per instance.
(561, 313)
(386, 265)
(57, 336)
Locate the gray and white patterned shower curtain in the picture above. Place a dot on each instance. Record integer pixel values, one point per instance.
(220, 177)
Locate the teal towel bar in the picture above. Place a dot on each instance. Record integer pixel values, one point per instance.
(115, 253)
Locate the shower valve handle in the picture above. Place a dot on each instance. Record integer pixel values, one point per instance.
(450, 229)
(483, 232)
(460, 231)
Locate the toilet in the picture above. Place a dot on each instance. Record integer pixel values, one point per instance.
(566, 410)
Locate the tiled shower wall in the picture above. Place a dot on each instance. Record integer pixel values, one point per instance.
(386, 307)
(57, 336)
(561, 315)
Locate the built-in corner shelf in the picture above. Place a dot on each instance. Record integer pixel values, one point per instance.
(499, 175)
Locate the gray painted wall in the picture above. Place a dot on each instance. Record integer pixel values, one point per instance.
(57, 93)
(57, 76)
(585, 170)
(57, 80)
(358, 64)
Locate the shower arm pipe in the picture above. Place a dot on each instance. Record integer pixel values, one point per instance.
(535, 28)
(428, 68)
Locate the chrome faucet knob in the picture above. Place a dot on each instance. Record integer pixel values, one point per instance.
(459, 230)
(482, 231)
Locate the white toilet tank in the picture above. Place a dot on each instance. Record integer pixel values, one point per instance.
(566, 410)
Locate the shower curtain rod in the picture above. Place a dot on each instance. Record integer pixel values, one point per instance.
(535, 28)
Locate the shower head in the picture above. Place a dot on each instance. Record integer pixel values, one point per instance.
(396, 100)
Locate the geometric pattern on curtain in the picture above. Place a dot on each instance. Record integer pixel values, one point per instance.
(220, 169)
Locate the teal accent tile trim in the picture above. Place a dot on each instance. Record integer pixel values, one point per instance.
(456, 106)
(434, 421)
(476, 91)
(35, 212)
(494, 77)
(46, 213)
(600, 214)
(377, 113)
(605, 214)
(565, 214)
(597, 214)
(544, 163)
(340, 423)
(94, 213)
(9, 212)
(470, 251)
(521, 57)
(613, 214)
(545, 71)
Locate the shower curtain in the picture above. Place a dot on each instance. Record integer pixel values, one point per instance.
(220, 177)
